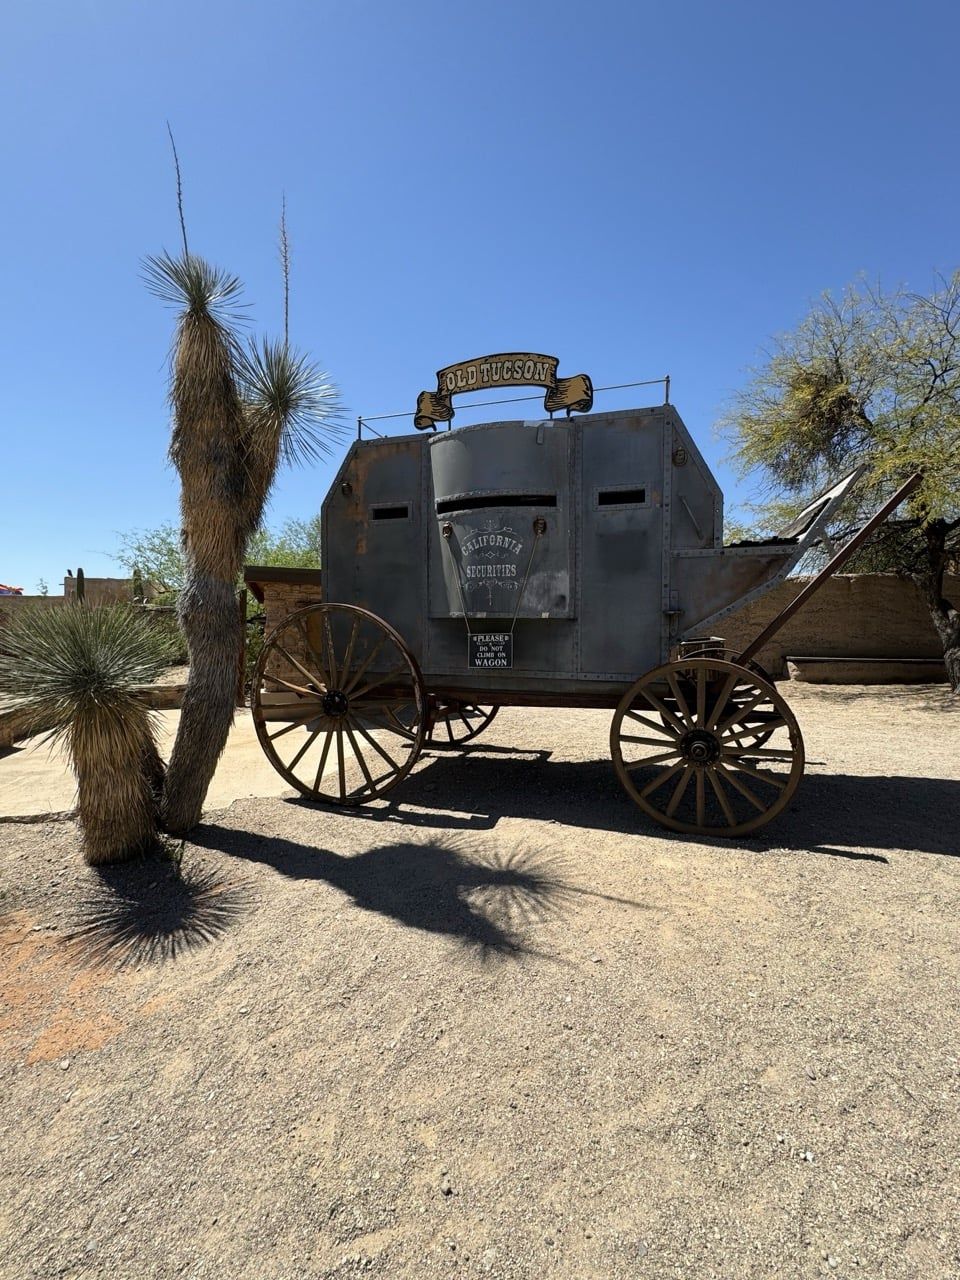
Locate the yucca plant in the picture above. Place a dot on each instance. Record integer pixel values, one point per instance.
(76, 671)
(239, 411)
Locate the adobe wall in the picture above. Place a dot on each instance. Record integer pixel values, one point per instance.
(10, 604)
(105, 590)
(870, 615)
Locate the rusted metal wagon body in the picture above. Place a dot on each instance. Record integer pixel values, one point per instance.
(572, 562)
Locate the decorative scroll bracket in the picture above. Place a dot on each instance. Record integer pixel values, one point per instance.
(508, 369)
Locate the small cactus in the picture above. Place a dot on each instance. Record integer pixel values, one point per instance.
(80, 586)
(137, 585)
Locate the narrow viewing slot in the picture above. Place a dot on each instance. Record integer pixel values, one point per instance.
(497, 500)
(621, 497)
(390, 513)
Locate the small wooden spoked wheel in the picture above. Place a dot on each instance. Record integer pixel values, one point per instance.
(339, 704)
(707, 747)
(454, 723)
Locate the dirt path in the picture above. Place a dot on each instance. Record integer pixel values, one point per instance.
(505, 1027)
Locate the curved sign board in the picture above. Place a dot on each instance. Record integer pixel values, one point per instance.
(508, 369)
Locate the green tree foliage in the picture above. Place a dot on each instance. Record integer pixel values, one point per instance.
(872, 378)
(295, 545)
(158, 553)
(76, 671)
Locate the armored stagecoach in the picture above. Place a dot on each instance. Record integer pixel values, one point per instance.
(575, 562)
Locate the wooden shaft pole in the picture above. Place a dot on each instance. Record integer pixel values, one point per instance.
(842, 556)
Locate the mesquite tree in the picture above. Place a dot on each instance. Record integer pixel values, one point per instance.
(872, 378)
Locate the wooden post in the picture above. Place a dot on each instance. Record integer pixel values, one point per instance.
(242, 607)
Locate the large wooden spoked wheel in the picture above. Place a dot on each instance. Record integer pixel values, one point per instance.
(339, 704)
(684, 742)
(454, 723)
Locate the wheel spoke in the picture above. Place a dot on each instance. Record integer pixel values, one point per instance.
(340, 769)
(664, 710)
(656, 726)
(362, 669)
(376, 745)
(321, 665)
(295, 662)
(664, 776)
(642, 764)
(701, 798)
(303, 750)
(296, 712)
(741, 712)
(701, 700)
(764, 753)
(674, 684)
(648, 742)
(740, 730)
(723, 699)
(743, 789)
(377, 681)
(297, 724)
(732, 762)
(330, 648)
(294, 688)
(722, 797)
(360, 758)
(323, 759)
(678, 793)
(348, 656)
(390, 723)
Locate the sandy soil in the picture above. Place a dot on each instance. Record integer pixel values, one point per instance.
(36, 778)
(502, 1027)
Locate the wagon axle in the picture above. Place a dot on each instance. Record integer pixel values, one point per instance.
(700, 747)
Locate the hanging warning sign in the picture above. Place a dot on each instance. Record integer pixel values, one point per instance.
(490, 650)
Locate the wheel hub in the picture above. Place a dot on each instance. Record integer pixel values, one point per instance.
(700, 747)
(335, 704)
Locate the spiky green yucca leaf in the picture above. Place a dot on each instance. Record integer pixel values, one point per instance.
(76, 671)
(66, 665)
(291, 399)
(197, 286)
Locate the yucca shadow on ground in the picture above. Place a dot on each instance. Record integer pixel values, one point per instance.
(835, 814)
(152, 910)
(485, 900)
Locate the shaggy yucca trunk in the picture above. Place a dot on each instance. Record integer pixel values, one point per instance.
(208, 426)
(115, 761)
(237, 413)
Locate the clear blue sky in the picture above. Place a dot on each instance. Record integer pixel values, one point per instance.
(638, 188)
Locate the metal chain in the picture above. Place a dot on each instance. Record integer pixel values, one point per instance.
(539, 528)
(456, 573)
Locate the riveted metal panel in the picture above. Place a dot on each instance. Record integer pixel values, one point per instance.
(620, 592)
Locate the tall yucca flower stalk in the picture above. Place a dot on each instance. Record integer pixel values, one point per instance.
(238, 413)
(76, 671)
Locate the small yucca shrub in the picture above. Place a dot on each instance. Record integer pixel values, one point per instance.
(76, 671)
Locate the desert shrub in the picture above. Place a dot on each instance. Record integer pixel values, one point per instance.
(77, 671)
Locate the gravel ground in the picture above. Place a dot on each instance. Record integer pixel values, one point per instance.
(505, 1027)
